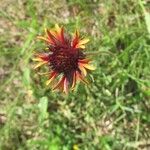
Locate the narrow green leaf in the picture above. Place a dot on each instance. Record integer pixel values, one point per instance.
(26, 77)
(43, 105)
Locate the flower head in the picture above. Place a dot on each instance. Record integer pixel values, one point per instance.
(64, 57)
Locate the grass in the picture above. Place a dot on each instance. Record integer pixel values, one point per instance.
(112, 113)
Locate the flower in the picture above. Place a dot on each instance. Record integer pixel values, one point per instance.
(64, 57)
(75, 147)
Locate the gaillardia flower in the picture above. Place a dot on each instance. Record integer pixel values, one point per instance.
(65, 58)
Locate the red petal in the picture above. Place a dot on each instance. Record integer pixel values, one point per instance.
(75, 40)
(74, 80)
(81, 78)
(52, 76)
(62, 35)
(84, 60)
(44, 57)
(82, 69)
(66, 86)
(60, 84)
(51, 37)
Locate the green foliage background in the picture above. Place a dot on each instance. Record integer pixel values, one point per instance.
(112, 113)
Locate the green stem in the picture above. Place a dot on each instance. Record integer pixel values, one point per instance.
(99, 52)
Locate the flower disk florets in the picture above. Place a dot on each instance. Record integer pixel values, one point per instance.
(65, 60)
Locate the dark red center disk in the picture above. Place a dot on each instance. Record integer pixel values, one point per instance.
(65, 60)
